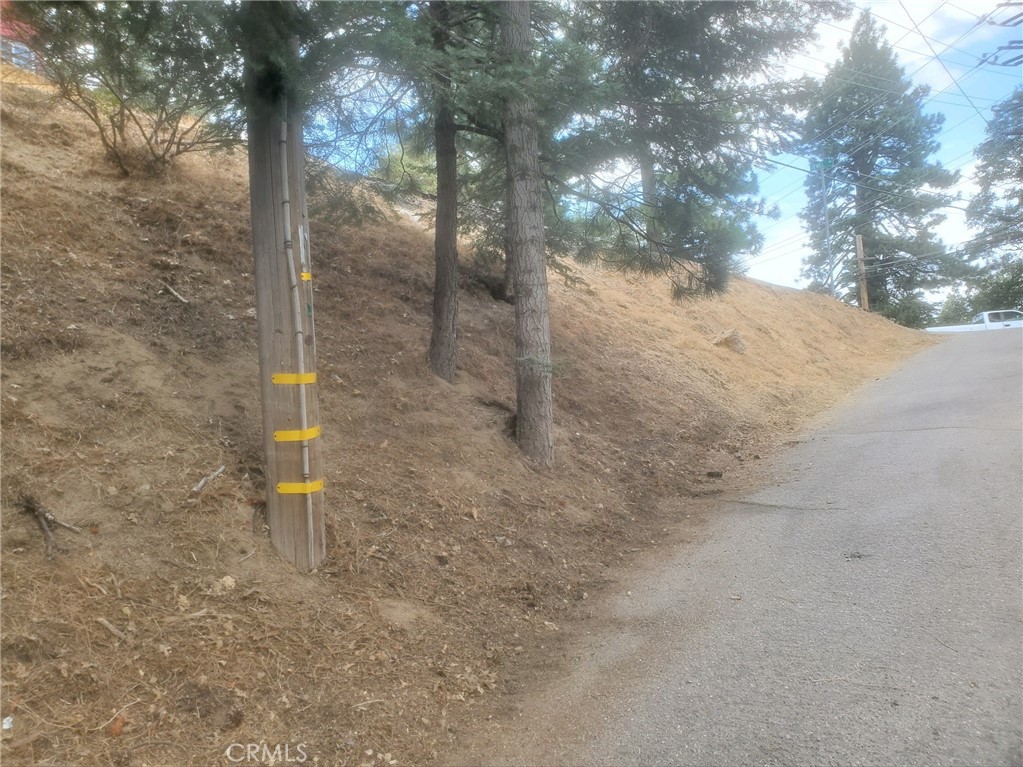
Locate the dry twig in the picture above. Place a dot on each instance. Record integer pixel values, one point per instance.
(206, 480)
(112, 629)
(175, 293)
(45, 520)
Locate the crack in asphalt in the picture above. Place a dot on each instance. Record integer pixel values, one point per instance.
(783, 507)
(925, 428)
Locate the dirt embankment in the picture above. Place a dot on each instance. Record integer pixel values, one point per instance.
(167, 630)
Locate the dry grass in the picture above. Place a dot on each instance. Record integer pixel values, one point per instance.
(450, 559)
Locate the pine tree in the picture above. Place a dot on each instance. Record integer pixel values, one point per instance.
(870, 138)
(998, 206)
(534, 415)
(686, 101)
(997, 209)
(443, 352)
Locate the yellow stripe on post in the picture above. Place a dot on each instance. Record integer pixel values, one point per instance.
(307, 276)
(293, 378)
(296, 435)
(299, 488)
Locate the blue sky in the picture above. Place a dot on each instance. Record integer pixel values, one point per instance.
(938, 44)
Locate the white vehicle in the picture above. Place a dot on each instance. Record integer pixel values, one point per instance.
(1003, 318)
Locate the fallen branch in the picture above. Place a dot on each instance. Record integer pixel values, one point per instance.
(175, 293)
(45, 519)
(112, 629)
(206, 480)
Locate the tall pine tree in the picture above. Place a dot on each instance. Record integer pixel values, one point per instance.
(998, 207)
(869, 135)
(534, 415)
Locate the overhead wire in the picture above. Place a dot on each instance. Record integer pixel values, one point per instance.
(928, 40)
(883, 93)
(877, 87)
(835, 90)
(879, 98)
(938, 59)
(935, 56)
(786, 243)
(903, 119)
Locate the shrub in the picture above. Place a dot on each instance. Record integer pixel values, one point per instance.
(150, 76)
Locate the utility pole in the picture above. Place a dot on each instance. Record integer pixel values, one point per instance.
(861, 270)
(284, 311)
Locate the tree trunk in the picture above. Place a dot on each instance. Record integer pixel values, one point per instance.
(294, 497)
(649, 185)
(508, 286)
(648, 179)
(535, 419)
(444, 338)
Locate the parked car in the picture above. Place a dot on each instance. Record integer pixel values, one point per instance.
(997, 320)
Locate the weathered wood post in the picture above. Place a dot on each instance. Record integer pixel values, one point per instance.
(287, 351)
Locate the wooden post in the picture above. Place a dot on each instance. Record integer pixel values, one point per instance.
(294, 496)
(861, 270)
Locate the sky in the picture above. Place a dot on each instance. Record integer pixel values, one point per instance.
(938, 44)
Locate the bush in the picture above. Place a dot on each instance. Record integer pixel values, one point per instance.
(148, 75)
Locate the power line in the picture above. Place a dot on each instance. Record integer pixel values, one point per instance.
(877, 100)
(799, 185)
(882, 92)
(864, 186)
(914, 73)
(878, 88)
(938, 59)
(927, 39)
(835, 90)
(862, 144)
(959, 248)
(787, 242)
(1013, 21)
(870, 104)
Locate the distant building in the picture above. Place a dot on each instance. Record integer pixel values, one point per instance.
(14, 36)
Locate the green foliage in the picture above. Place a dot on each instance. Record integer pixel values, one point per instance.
(957, 309)
(410, 170)
(343, 199)
(146, 74)
(658, 147)
(159, 79)
(650, 116)
(912, 311)
(999, 285)
(998, 206)
(869, 131)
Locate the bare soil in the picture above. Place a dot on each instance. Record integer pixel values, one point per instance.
(454, 566)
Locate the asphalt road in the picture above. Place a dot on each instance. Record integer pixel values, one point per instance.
(864, 608)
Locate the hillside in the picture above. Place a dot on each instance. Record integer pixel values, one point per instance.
(453, 566)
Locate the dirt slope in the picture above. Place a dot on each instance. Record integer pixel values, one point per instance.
(453, 565)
